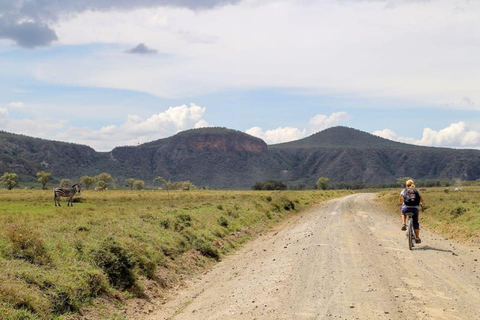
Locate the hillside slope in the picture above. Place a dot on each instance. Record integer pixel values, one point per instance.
(224, 158)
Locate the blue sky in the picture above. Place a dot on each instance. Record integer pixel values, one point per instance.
(111, 73)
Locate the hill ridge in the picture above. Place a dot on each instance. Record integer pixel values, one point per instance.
(226, 158)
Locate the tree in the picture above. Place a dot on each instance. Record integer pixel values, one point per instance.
(104, 179)
(9, 180)
(43, 178)
(130, 182)
(66, 183)
(87, 181)
(322, 183)
(138, 184)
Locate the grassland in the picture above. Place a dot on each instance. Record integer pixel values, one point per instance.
(454, 214)
(55, 261)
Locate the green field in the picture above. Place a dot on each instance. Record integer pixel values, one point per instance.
(454, 214)
(54, 261)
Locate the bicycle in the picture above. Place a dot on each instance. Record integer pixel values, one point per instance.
(410, 230)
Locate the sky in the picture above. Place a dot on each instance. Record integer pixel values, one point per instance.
(108, 73)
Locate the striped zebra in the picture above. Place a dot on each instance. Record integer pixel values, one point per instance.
(66, 192)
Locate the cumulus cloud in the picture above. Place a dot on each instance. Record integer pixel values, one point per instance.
(392, 135)
(29, 23)
(285, 134)
(136, 130)
(42, 127)
(457, 135)
(321, 121)
(141, 48)
(133, 131)
(278, 135)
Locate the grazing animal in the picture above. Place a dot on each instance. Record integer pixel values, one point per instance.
(66, 192)
(99, 189)
(446, 190)
(458, 189)
(186, 188)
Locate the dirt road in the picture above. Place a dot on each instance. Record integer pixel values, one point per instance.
(345, 259)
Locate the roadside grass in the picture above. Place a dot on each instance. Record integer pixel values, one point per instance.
(54, 261)
(454, 215)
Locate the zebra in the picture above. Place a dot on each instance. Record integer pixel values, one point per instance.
(66, 192)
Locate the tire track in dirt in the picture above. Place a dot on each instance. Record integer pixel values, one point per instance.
(344, 259)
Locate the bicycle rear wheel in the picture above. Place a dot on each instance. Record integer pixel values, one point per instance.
(410, 234)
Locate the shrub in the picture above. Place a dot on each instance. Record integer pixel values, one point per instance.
(184, 220)
(206, 248)
(27, 244)
(223, 221)
(458, 211)
(117, 262)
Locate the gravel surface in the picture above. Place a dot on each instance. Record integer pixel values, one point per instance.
(344, 259)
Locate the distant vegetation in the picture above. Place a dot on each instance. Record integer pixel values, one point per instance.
(9, 180)
(120, 243)
(270, 184)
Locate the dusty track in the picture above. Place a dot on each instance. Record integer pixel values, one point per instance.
(345, 259)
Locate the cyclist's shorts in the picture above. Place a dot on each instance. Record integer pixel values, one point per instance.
(405, 209)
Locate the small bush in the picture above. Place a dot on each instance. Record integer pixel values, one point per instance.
(206, 248)
(27, 244)
(117, 262)
(458, 211)
(184, 220)
(288, 205)
(222, 221)
(165, 223)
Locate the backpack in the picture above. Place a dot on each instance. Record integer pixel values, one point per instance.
(411, 197)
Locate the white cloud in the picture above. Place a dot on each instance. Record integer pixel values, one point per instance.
(136, 130)
(41, 127)
(16, 104)
(133, 131)
(457, 135)
(278, 135)
(284, 134)
(408, 50)
(391, 135)
(321, 121)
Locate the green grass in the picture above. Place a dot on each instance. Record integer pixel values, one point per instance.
(454, 214)
(55, 261)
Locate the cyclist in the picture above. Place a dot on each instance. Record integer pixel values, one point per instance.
(410, 186)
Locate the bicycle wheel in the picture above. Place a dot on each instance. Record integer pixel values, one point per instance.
(410, 234)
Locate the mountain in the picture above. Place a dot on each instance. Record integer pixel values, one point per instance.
(344, 137)
(225, 158)
(26, 156)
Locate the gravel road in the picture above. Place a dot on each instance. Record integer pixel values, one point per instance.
(344, 259)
